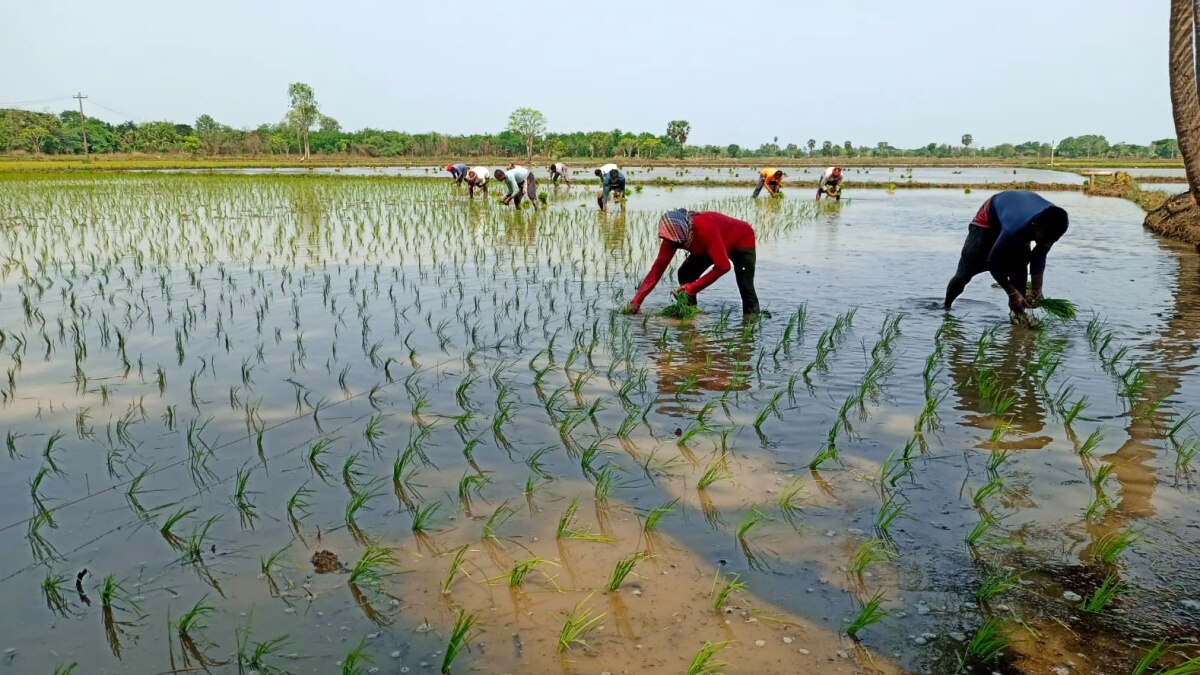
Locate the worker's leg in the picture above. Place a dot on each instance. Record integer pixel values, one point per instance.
(471, 190)
(619, 197)
(971, 262)
(820, 191)
(531, 190)
(517, 199)
(758, 188)
(743, 261)
(692, 268)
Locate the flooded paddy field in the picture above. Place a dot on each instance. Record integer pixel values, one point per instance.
(303, 424)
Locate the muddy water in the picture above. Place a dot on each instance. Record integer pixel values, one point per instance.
(313, 333)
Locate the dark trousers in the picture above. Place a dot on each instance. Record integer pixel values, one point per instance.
(973, 261)
(743, 261)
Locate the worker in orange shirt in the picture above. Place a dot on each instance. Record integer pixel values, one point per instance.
(770, 178)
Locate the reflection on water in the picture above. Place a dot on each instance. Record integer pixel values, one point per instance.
(181, 350)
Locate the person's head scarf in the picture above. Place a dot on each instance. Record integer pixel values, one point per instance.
(676, 227)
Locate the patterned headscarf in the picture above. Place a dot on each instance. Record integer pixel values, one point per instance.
(676, 226)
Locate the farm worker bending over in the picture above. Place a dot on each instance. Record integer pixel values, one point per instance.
(559, 171)
(831, 183)
(611, 181)
(520, 183)
(458, 172)
(999, 241)
(477, 178)
(770, 178)
(712, 240)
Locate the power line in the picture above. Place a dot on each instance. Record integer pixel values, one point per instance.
(82, 123)
(15, 104)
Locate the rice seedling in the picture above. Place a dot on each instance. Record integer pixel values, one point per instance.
(316, 452)
(1175, 428)
(168, 526)
(989, 641)
(869, 614)
(53, 592)
(826, 453)
(1185, 453)
(1059, 309)
(1150, 658)
(374, 432)
(374, 565)
(751, 520)
(606, 481)
(298, 503)
(459, 637)
(790, 496)
(194, 546)
(681, 308)
(718, 470)
(1073, 412)
(516, 576)
(995, 584)
(1109, 589)
(1107, 548)
(622, 569)
(498, 518)
(732, 584)
(577, 624)
(471, 484)
(356, 659)
(891, 510)
(703, 663)
(981, 532)
(422, 518)
(868, 553)
(190, 623)
(456, 565)
(992, 488)
(1090, 444)
(656, 514)
(256, 659)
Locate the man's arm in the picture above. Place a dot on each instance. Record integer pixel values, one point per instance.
(665, 252)
(999, 262)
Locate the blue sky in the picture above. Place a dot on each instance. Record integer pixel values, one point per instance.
(745, 72)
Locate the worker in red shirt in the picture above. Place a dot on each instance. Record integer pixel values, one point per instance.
(712, 240)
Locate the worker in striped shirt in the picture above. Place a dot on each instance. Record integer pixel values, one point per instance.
(560, 171)
(520, 184)
(477, 178)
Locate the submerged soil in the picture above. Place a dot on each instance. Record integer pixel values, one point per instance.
(218, 387)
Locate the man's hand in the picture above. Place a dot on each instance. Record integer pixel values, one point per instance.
(632, 308)
(683, 291)
(1017, 303)
(1034, 298)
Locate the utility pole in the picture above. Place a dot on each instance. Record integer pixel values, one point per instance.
(82, 124)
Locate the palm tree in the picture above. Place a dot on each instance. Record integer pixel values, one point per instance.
(1185, 97)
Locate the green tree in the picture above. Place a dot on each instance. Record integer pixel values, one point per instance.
(967, 140)
(327, 123)
(647, 147)
(733, 150)
(678, 131)
(303, 113)
(812, 145)
(827, 148)
(528, 124)
(208, 132)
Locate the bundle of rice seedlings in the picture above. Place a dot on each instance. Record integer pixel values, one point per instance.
(682, 308)
(1061, 309)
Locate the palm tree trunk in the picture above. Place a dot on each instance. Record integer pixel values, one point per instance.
(1185, 97)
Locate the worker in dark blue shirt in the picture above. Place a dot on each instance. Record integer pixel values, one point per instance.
(1010, 237)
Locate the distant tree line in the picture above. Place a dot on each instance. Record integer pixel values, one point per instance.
(305, 130)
